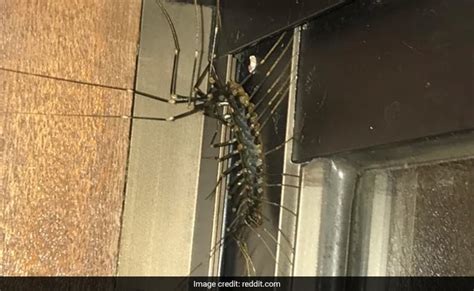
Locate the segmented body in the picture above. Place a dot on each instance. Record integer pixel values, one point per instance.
(230, 104)
(245, 187)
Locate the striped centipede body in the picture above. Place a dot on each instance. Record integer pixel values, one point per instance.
(239, 109)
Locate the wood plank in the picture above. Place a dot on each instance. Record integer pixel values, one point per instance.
(61, 177)
(63, 197)
(81, 40)
(62, 173)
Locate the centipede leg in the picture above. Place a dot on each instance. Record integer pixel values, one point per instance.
(187, 113)
(274, 84)
(199, 40)
(222, 176)
(248, 260)
(282, 174)
(279, 245)
(281, 92)
(226, 143)
(154, 97)
(174, 75)
(278, 146)
(278, 205)
(285, 237)
(276, 106)
(282, 185)
(200, 80)
(277, 61)
(263, 241)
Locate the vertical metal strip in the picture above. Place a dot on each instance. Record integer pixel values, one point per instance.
(289, 195)
(220, 206)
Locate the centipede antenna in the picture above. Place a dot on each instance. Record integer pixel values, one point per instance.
(174, 75)
(278, 147)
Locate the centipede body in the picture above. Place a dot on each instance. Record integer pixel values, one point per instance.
(252, 205)
(243, 112)
(248, 185)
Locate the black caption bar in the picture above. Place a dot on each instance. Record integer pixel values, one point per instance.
(238, 283)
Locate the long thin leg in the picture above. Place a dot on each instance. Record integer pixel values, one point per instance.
(276, 106)
(264, 241)
(174, 75)
(278, 205)
(184, 99)
(282, 174)
(214, 37)
(285, 237)
(198, 16)
(282, 185)
(201, 78)
(187, 113)
(154, 97)
(273, 66)
(149, 118)
(174, 98)
(279, 245)
(278, 93)
(273, 85)
(278, 147)
(248, 259)
(280, 39)
(270, 51)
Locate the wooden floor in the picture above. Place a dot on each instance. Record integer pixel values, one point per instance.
(65, 68)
